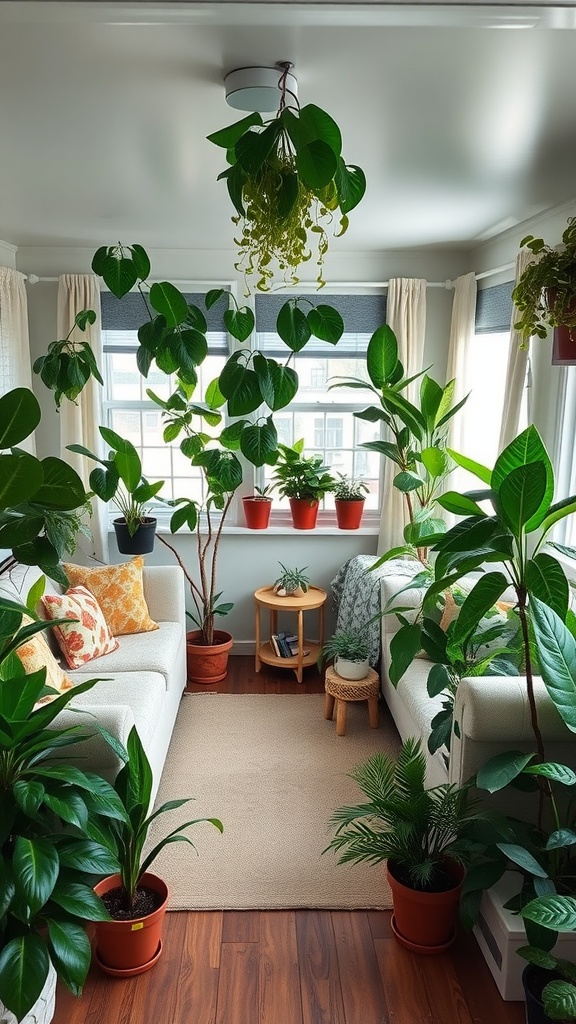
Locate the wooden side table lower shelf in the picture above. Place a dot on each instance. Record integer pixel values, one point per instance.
(341, 692)
(266, 598)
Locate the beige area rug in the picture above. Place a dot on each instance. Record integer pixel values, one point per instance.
(273, 770)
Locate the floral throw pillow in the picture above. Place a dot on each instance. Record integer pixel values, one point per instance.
(36, 654)
(85, 639)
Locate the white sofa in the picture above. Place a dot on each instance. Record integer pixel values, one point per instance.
(141, 683)
(492, 712)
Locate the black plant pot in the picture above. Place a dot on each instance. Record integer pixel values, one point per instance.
(143, 540)
(534, 979)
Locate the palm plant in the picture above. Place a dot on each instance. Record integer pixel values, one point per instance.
(414, 828)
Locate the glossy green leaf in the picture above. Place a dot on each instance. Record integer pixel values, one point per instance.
(526, 449)
(546, 580)
(350, 183)
(119, 274)
(71, 952)
(246, 396)
(185, 515)
(557, 654)
(253, 148)
(80, 901)
(382, 355)
(316, 164)
(435, 461)
(407, 481)
(521, 493)
(315, 123)
(214, 397)
(561, 838)
(523, 858)
(404, 647)
(21, 477)
(500, 770)
(550, 770)
(326, 323)
(278, 384)
(36, 868)
(19, 416)
(24, 965)
(559, 1000)
(258, 441)
(169, 301)
(239, 323)
(407, 413)
(228, 137)
(482, 472)
(292, 326)
(555, 912)
(438, 680)
(477, 604)
(557, 512)
(61, 486)
(459, 504)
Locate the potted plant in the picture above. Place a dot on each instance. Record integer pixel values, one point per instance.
(545, 294)
(349, 498)
(129, 938)
(350, 653)
(121, 482)
(257, 508)
(425, 835)
(54, 818)
(418, 438)
(291, 582)
(287, 180)
(304, 480)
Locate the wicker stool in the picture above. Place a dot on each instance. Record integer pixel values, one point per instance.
(344, 690)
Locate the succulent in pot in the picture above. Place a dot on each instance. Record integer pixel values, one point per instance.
(291, 582)
(257, 508)
(349, 651)
(349, 498)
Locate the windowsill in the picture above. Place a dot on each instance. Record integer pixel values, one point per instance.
(274, 531)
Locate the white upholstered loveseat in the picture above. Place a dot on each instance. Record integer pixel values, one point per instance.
(141, 683)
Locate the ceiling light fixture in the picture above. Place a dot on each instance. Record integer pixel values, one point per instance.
(259, 88)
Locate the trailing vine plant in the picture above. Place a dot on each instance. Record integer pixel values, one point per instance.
(288, 182)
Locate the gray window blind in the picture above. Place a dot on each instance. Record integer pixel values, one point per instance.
(494, 308)
(361, 314)
(129, 313)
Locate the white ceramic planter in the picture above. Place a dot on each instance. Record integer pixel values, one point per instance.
(351, 669)
(43, 1010)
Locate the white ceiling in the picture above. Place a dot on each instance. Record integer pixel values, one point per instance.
(463, 117)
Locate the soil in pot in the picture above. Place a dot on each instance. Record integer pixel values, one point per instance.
(131, 944)
(141, 543)
(426, 922)
(207, 664)
(257, 512)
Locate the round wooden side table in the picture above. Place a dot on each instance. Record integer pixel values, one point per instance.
(266, 598)
(341, 691)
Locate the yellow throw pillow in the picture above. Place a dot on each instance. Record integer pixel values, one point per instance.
(88, 637)
(119, 591)
(36, 654)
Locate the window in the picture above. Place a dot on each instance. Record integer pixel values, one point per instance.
(324, 417)
(131, 413)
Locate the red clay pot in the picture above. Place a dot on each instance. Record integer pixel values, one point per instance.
(349, 513)
(257, 512)
(207, 665)
(304, 513)
(564, 347)
(130, 946)
(425, 922)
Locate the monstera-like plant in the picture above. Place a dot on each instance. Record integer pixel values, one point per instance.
(288, 183)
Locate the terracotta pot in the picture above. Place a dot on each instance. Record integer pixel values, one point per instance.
(304, 513)
(564, 347)
(257, 512)
(425, 922)
(143, 540)
(349, 513)
(204, 664)
(131, 947)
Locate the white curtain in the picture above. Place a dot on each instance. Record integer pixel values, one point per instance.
(15, 368)
(517, 366)
(406, 315)
(79, 420)
(462, 328)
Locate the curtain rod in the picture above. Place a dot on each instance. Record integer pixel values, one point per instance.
(448, 284)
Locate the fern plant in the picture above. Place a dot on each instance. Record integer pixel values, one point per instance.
(415, 828)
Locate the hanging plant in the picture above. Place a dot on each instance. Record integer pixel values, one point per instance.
(545, 293)
(288, 183)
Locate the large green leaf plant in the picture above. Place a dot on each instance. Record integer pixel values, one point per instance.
(42, 501)
(52, 817)
(288, 183)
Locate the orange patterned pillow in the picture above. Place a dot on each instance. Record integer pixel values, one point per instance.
(36, 654)
(119, 591)
(85, 639)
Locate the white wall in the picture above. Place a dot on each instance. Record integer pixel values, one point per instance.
(7, 255)
(248, 560)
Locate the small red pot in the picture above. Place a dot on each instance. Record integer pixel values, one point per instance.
(349, 513)
(131, 946)
(426, 922)
(257, 512)
(207, 665)
(304, 513)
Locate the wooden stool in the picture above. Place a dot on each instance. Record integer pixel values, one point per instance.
(344, 690)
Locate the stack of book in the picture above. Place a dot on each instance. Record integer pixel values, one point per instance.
(285, 645)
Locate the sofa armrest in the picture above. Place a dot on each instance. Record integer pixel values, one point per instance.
(492, 715)
(164, 593)
(94, 753)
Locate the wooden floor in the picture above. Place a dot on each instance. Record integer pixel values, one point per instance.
(292, 967)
